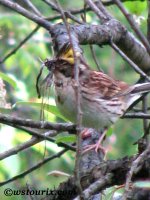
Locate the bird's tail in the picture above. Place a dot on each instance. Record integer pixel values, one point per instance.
(141, 88)
(136, 93)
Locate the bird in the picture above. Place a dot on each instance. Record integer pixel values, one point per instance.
(103, 100)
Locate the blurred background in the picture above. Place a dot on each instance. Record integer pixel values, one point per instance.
(19, 73)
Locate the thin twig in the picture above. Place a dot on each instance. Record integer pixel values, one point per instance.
(19, 45)
(2, 60)
(134, 66)
(6, 119)
(67, 13)
(79, 125)
(19, 9)
(81, 10)
(133, 25)
(43, 137)
(145, 99)
(36, 166)
(91, 46)
(139, 115)
(34, 140)
(78, 98)
(101, 11)
(52, 5)
(102, 8)
(95, 187)
(117, 169)
(94, 58)
(145, 121)
(98, 36)
(32, 7)
(135, 167)
(95, 8)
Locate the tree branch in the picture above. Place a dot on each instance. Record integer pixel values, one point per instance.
(90, 34)
(102, 34)
(6, 119)
(36, 166)
(34, 140)
(139, 115)
(106, 174)
(95, 187)
(133, 25)
(133, 65)
(135, 167)
(68, 14)
(19, 45)
(32, 7)
(38, 135)
(35, 18)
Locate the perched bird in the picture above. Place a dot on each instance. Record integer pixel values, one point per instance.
(103, 99)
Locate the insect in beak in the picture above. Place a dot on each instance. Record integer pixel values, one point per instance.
(50, 64)
(37, 81)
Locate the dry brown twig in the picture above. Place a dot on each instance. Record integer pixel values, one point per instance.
(135, 167)
(78, 97)
(36, 166)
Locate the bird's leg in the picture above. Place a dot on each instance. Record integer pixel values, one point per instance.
(86, 133)
(97, 146)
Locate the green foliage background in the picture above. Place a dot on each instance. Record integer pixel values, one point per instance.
(23, 68)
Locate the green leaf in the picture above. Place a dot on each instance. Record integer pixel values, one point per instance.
(136, 7)
(67, 139)
(110, 131)
(49, 108)
(142, 184)
(108, 194)
(8, 79)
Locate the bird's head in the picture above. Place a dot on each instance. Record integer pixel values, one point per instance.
(67, 55)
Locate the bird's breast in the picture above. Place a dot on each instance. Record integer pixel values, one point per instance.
(95, 111)
(65, 98)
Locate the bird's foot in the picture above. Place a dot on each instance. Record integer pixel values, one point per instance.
(96, 146)
(86, 133)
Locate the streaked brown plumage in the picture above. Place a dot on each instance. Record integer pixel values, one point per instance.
(103, 99)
